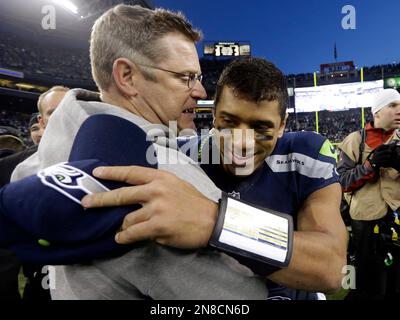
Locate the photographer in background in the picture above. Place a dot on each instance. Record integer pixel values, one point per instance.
(369, 169)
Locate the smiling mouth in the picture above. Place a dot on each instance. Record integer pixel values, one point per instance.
(241, 161)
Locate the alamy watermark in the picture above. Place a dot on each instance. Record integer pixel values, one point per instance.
(349, 279)
(349, 21)
(49, 280)
(49, 18)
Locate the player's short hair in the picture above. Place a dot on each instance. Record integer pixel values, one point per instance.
(254, 79)
(44, 94)
(132, 32)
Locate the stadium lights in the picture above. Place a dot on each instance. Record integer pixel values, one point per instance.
(67, 5)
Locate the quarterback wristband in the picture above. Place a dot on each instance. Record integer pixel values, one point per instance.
(263, 235)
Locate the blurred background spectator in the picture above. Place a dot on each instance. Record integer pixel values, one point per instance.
(35, 129)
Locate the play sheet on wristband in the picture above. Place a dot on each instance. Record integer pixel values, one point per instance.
(255, 230)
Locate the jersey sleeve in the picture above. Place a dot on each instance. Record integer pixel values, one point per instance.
(43, 214)
(320, 168)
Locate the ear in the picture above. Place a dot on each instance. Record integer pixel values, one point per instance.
(125, 76)
(40, 121)
(282, 126)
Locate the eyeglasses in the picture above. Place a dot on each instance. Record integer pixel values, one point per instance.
(191, 77)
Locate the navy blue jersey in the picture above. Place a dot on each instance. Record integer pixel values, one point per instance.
(301, 163)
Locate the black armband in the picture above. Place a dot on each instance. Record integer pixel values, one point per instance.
(261, 236)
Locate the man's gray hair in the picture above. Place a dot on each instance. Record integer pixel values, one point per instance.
(132, 32)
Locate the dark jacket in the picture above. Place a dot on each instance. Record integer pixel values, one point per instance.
(8, 164)
(9, 264)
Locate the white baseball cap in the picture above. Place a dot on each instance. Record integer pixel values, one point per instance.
(384, 98)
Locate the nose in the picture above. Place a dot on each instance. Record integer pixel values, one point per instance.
(198, 91)
(243, 141)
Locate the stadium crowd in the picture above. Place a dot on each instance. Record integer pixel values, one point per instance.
(72, 64)
(334, 125)
(29, 57)
(15, 123)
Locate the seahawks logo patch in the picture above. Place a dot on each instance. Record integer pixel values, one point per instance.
(70, 181)
(328, 150)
